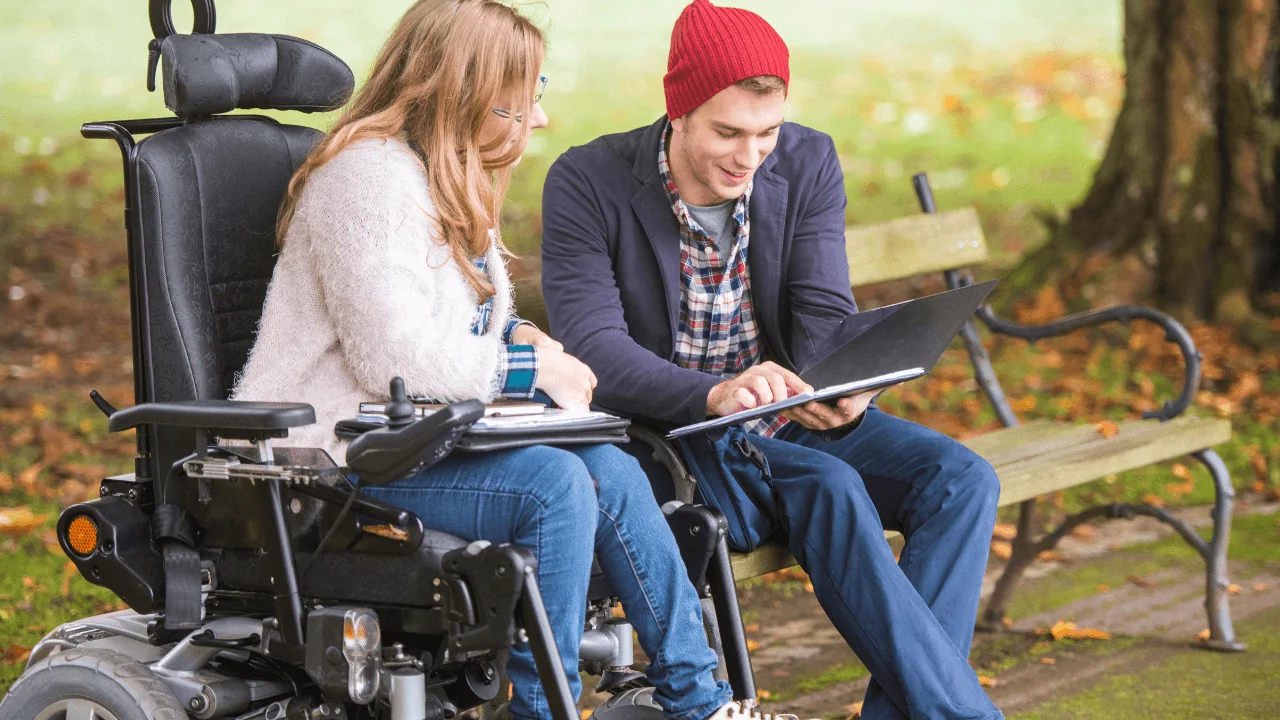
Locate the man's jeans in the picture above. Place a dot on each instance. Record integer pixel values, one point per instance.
(564, 506)
(911, 622)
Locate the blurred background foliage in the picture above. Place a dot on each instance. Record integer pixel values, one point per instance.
(1007, 104)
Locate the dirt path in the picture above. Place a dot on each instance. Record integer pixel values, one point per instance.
(805, 668)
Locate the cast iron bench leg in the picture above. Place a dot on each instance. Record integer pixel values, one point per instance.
(1221, 635)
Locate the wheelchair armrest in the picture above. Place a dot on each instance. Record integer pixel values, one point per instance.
(224, 418)
(666, 454)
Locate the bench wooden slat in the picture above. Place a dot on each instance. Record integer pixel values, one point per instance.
(914, 245)
(1042, 456)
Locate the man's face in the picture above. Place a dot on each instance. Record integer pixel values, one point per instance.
(716, 149)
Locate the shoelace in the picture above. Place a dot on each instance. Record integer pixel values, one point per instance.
(738, 712)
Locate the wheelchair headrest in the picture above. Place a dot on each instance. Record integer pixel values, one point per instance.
(208, 74)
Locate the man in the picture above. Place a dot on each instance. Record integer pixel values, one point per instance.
(694, 265)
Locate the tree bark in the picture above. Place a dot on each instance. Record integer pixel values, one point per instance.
(1187, 179)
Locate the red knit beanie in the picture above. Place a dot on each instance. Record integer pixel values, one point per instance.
(715, 47)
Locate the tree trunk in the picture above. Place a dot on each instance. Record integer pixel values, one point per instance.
(1187, 180)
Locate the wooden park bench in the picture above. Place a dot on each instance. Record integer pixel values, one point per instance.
(1033, 458)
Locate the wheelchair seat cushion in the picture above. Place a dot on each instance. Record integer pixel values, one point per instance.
(210, 74)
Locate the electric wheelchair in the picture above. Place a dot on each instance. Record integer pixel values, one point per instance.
(261, 583)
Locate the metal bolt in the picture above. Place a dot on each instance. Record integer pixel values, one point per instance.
(502, 570)
(295, 506)
(133, 493)
(197, 703)
(435, 597)
(103, 490)
(696, 529)
(435, 582)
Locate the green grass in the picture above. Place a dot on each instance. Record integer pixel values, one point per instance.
(883, 96)
(839, 673)
(32, 601)
(1191, 684)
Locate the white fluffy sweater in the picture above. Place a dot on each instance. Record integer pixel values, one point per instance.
(362, 292)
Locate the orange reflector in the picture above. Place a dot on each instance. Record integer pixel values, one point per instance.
(82, 535)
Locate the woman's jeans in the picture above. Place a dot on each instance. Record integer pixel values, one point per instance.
(566, 506)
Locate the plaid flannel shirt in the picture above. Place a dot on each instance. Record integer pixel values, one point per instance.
(517, 364)
(717, 333)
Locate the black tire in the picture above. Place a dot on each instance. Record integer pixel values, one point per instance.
(110, 682)
(633, 704)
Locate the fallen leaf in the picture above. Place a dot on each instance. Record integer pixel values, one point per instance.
(1070, 631)
(763, 694)
(1245, 387)
(1154, 501)
(986, 681)
(1203, 635)
(1002, 550)
(1104, 588)
(69, 571)
(1006, 621)
(1259, 587)
(1084, 532)
(752, 645)
(27, 479)
(1233, 589)
(585, 713)
(1141, 582)
(781, 674)
(1181, 472)
(1005, 531)
(1107, 429)
(753, 627)
(18, 521)
(1048, 661)
(854, 709)
(1052, 556)
(15, 654)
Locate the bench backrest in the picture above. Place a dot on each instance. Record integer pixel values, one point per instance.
(914, 245)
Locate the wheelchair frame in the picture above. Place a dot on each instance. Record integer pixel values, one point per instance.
(268, 651)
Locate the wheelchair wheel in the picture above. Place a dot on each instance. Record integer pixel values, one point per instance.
(90, 684)
(633, 704)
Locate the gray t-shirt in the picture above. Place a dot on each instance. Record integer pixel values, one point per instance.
(717, 221)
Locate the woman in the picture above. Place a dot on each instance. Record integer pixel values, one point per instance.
(391, 265)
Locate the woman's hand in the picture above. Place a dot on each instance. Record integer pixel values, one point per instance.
(526, 334)
(564, 377)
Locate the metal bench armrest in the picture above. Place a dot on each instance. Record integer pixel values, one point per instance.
(1174, 332)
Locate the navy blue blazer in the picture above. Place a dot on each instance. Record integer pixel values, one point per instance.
(611, 265)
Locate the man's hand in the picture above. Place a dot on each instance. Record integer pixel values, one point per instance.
(759, 385)
(526, 334)
(821, 416)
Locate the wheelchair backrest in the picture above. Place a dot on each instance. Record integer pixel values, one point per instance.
(207, 195)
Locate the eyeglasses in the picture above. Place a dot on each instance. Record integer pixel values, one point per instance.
(537, 96)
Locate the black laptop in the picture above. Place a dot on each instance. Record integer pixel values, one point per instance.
(873, 350)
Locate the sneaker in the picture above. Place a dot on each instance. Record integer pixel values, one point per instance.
(734, 710)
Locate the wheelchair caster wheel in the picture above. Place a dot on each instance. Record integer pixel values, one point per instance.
(633, 704)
